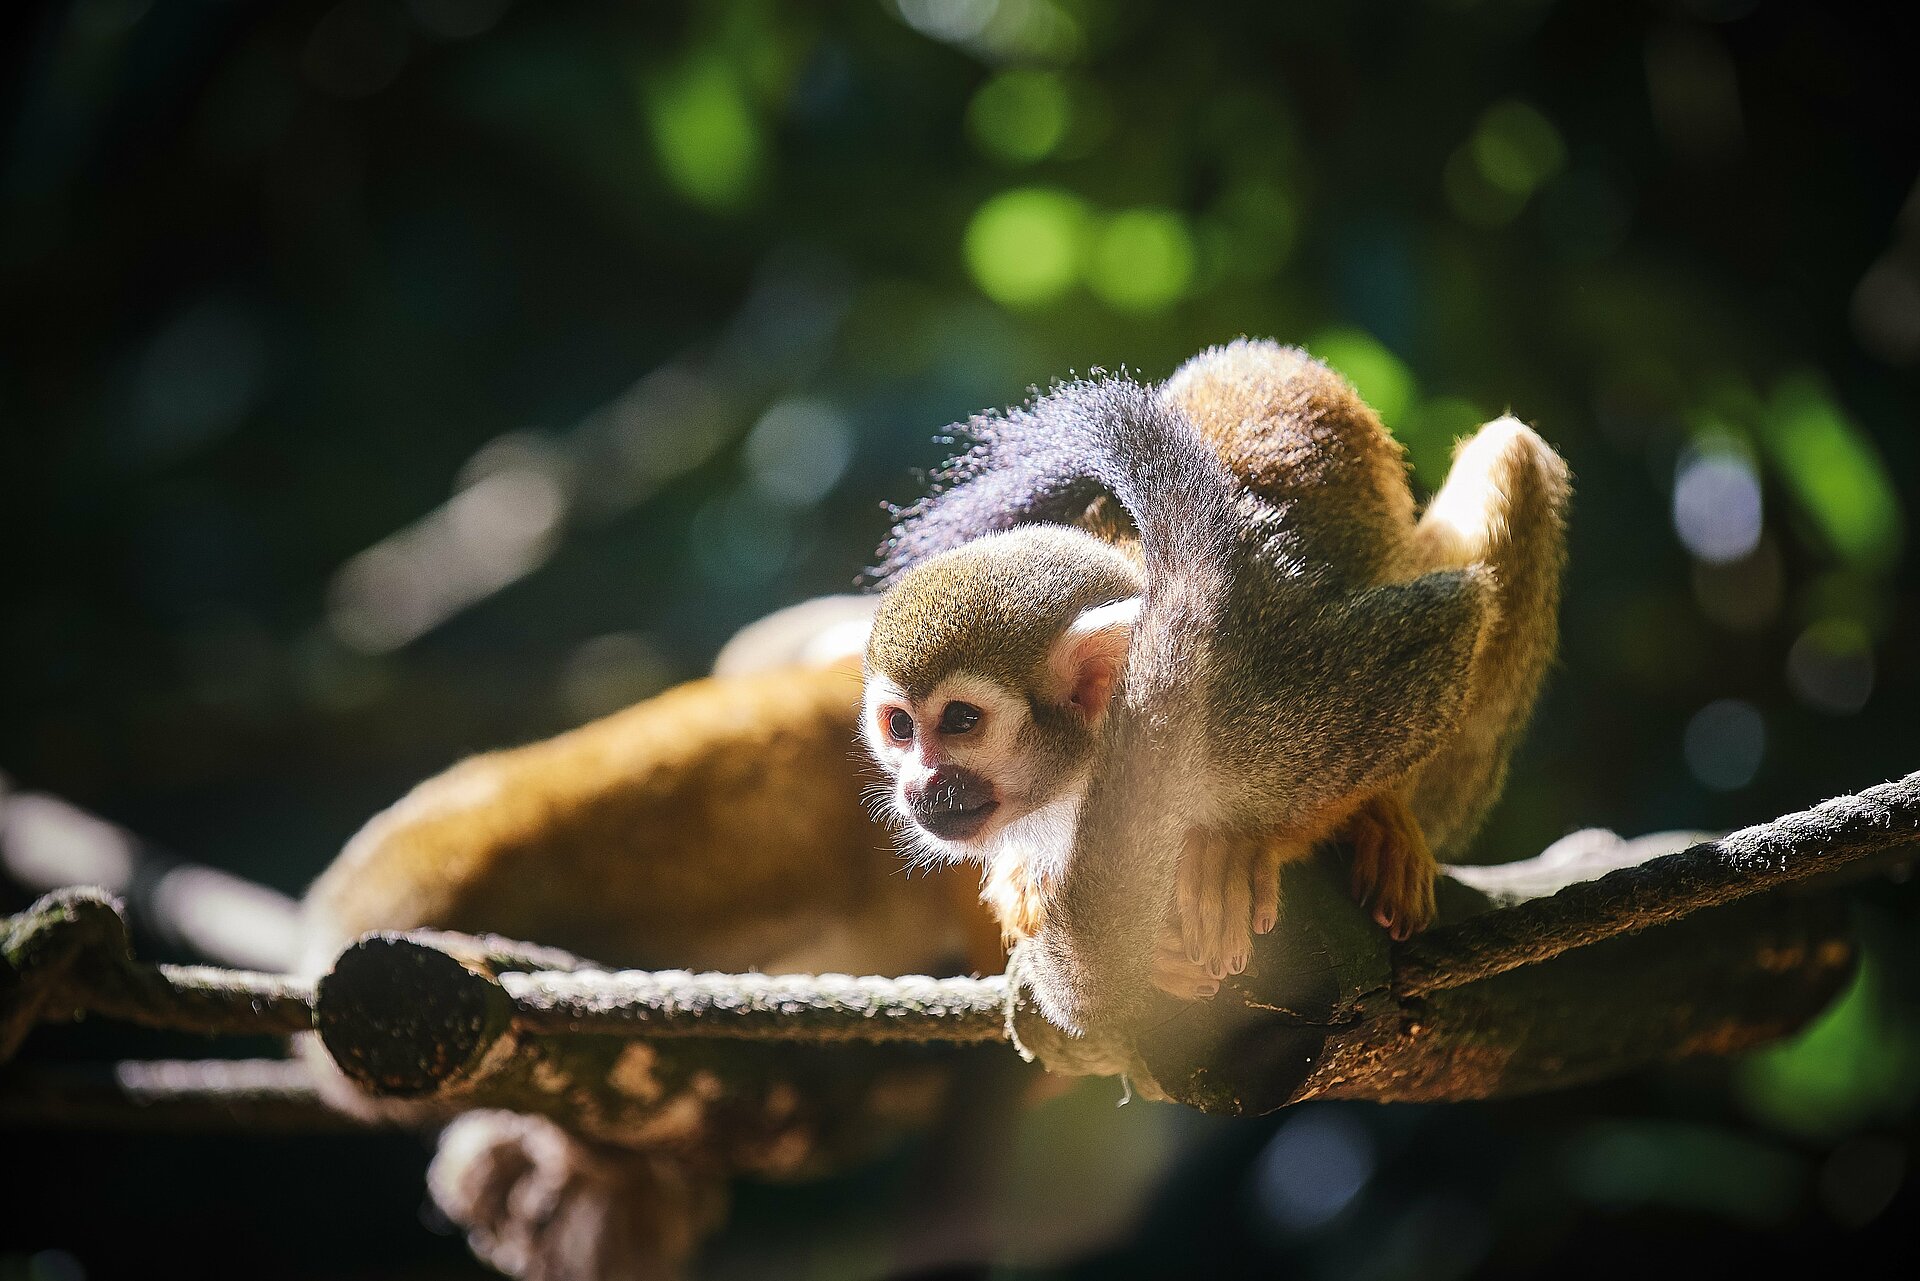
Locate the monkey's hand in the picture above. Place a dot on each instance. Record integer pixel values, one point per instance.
(1392, 865)
(1175, 974)
(1229, 890)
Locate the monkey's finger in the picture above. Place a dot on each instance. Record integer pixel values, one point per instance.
(1237, 908)
(1368, 857)
(1211, 918)
(1191, 882)
(1416, 905)
(1175, 975)
(1266, 890)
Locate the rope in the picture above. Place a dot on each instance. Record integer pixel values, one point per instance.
(787, 1007)
(70, 953)
(1789, 850)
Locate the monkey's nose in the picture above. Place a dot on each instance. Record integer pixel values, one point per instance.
(953, 803)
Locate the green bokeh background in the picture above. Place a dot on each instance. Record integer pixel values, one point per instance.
(677, 295)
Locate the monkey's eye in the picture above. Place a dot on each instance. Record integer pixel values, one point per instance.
(958, 718)
(899, 725)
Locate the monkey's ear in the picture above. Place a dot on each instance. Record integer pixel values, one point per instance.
(1085, 664)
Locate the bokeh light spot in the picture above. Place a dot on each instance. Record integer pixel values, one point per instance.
(952, 20)
(1512, 151)
(1830, 666)
(1025, 247)
(704, 132)
(798, 450)
(1001, 30)
(1021, 116)
(1516, 148)
(1724, 744)
(1314, 1167)
(1143, 261)
(1380, 377)
(1717, 507)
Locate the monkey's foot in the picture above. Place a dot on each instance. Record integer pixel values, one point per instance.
(1175, 975)
(1392, 866)
(1229, 890)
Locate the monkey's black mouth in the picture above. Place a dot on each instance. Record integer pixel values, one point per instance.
(955, 824)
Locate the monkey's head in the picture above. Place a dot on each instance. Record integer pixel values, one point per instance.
(989, 670)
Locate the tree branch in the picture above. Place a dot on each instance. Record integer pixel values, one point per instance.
(1613, 967)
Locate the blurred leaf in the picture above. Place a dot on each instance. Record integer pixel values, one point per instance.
(1856, 1063)
(704, 131)
(1834, 472)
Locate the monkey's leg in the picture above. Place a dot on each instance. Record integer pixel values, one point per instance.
(1392, 865)
(1504, 507)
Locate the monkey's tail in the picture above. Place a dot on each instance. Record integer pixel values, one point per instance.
(1503, 507)
(1048, 461)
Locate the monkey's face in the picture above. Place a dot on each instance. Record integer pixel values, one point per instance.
(973, 756)
(961, 758)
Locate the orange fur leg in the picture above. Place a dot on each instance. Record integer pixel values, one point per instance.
(1392, 866)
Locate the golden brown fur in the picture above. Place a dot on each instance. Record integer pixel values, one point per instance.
(717, 826)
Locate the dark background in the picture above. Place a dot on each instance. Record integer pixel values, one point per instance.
(384, 381)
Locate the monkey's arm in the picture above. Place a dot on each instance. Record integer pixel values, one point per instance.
(1323, 726)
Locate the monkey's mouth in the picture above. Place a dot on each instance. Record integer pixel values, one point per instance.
(954, 822)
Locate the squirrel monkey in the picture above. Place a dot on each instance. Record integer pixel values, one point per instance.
(716, 826)
(1295, 656)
